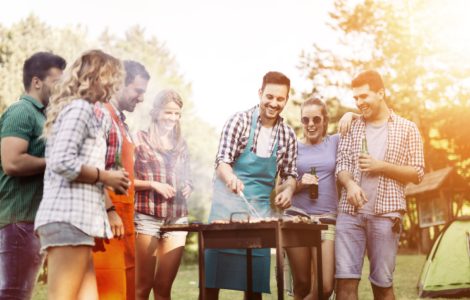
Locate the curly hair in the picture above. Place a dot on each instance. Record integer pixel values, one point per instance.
(95, 77)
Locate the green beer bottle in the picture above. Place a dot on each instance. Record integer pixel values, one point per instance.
(364, 149)
(313, 187)
(118, 166)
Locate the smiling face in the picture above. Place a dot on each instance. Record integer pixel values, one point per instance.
(369, 103)
(313, 124)
(273, 99)
(169, 116)
(132, 94)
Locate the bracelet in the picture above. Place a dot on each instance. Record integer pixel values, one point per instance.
(97, 176)
(111, 208)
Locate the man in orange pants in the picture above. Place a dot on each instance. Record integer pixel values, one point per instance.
(114, 260)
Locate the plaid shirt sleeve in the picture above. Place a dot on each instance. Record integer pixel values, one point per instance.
(344, 157)
(288, 165)
(414, 151)
(232, 139)
(70, 136)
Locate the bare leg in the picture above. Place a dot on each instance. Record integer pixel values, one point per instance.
(169, 253)
(381, 293)
(89, 288)
(347, 289)
(145, 257)
(67, 268)
(300, 261)
(328, 249)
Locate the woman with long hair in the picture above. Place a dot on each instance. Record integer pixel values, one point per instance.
(316, 152)
(73, 210)
(163, 186)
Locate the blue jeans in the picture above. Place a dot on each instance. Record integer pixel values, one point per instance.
(19, 261)
(355, 234)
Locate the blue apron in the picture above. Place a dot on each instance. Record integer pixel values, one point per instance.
(226, 268)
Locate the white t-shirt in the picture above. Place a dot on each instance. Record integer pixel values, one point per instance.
(264, 137)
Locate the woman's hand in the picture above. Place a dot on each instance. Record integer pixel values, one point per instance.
(309, 179)
(344, 124)
(166, 190)
(186, 191)
(117, 180)
(117, 227)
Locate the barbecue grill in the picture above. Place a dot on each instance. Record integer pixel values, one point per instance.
(252, 235)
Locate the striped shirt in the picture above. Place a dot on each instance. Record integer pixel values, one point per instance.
(404, 148)
(170, 167)
(77, 139)
(20, 195)
(236, 133)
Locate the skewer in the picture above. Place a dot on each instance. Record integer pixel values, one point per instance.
(251, 209)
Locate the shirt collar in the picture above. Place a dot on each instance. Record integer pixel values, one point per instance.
(119, 113)
(33, 101)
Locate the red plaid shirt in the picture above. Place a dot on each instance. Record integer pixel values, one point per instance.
(171, 167)
(114, 135)
(404, 148)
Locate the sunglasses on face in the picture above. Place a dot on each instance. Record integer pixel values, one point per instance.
(316, 120)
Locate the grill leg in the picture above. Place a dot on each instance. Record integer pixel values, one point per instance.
(249, 274)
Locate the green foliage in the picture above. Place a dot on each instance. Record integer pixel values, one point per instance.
(396, 38)
(22, 39)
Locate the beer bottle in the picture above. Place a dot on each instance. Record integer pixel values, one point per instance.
(364, 149)
(118, 166)
(313, 187)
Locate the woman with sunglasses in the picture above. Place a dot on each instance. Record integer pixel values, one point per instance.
(316, 150)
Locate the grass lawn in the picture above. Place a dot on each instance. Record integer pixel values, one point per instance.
(185, 286)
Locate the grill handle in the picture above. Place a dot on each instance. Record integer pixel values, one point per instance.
(241, 213)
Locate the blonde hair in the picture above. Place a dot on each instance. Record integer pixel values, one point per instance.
(94, 76)
(160, 101)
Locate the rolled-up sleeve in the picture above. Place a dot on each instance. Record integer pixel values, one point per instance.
(344, 155)
(414, 151)
(71, 133)
(289, 161)
(230, 138)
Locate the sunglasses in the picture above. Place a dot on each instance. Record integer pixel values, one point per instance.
(316, 120)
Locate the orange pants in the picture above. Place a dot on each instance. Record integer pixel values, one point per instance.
(114, 260)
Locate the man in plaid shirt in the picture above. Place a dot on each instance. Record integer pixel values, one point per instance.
(379, 155)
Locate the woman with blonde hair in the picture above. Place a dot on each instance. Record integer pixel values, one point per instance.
(162, 186)
(73, 211)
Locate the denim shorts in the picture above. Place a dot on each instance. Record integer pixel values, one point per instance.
(62, 234)
(150, 225)
(329, 234)
(357, 233)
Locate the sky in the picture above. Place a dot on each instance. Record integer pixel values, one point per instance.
(223, 48)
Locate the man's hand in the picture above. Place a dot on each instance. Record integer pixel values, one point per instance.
(117, 227)
(369, 164)
(344, 124)
(355, 195)
(235, 185)
(283, 199)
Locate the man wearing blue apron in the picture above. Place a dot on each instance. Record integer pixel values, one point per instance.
(255, 146)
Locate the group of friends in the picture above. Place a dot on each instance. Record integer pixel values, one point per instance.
(77, 187)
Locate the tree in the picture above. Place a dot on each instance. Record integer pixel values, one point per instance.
(393, 37)
(30, 35)
(424, 85)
